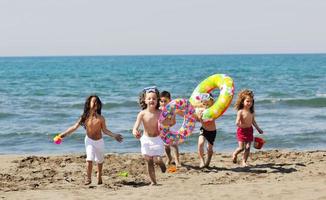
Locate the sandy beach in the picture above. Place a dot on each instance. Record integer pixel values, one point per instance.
(272, 175)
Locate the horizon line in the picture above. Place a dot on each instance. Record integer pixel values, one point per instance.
(143, 55)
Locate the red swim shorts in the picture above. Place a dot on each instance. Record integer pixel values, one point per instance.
(245, 134)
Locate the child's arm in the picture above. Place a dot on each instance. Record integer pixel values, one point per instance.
(106, 131)
(173, 120)
(199, 116)
(135, 130)
(70, 129)
(254, 123)
(238, 121)
(169, 122)
(180, 113)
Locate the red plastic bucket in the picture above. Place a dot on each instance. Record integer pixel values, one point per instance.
(259, 142)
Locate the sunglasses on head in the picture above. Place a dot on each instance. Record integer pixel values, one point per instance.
(150, 89)
(205, 96)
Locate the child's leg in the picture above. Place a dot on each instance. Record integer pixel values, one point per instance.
(176, 155)
(168, 154)
(150, 168)
(246, 153)
(89, 169)
(209, 153)
(237, 151)
(159, 161)
(99, 173)
(201, 142)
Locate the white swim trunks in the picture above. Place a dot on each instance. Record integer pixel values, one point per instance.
(152, 146)
(94, 150)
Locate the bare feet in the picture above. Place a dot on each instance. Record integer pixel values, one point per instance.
(202, 164)
(88, 181)
(162, 166)
(177, 164)
(244, 164)
(99, 179)
(168, 162)
(208, 161)
(234, 159)
(153, 184)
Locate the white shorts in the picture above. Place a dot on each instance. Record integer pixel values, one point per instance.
(94, 150)
(152, 146)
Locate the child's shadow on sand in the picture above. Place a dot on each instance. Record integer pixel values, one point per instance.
(257, 169)
(279, 168)
(134, 184)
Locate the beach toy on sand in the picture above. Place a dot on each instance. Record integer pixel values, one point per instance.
(172, 169)
(217, 81)
(57, 139)
(123, 174)
(181, 106)
(259, 142)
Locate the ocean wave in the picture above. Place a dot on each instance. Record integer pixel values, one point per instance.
(318, 102)
(6, 115)
(277, 94)
(304, 137)
(320, 117)
(126, 104)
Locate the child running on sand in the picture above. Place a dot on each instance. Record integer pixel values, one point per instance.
(207, 132)
(165, 98)
(94, 123)
(245, 120)
(152, 147)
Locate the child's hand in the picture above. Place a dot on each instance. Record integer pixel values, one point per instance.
(200, 115)
(168, 122)
(260, 131)
(137, 134)
(118, 137)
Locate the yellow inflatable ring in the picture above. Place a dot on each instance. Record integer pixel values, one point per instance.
(226, 86)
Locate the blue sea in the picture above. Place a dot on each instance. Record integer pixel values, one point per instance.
(42, 96)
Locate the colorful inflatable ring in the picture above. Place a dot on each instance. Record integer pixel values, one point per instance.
(226, 86)
(188, 125)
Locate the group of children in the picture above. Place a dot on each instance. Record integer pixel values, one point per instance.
(152, 146)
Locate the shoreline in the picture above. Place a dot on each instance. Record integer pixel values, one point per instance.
(227, 152)
(274, 173)
(216, 151)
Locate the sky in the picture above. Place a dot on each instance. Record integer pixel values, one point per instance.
(161, 27)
